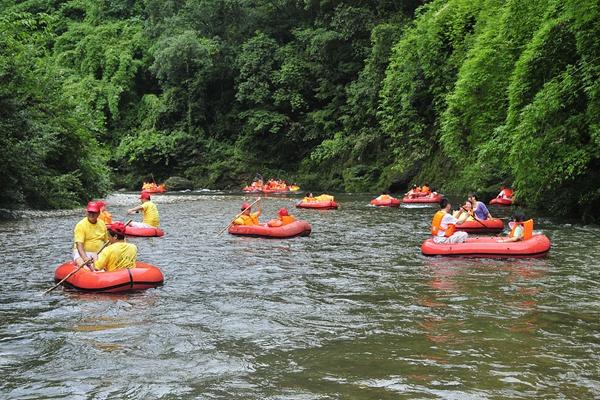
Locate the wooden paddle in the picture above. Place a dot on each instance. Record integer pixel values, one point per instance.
(237, 216)
(81, 266)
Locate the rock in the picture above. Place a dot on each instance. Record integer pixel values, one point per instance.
(9, 214)
(178, 183)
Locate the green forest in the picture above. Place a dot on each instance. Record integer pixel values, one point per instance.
(358, 96)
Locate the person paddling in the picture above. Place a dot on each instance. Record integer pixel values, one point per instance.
(119, 254)
(89, 236)
(443, 225)
(248, 217)
(150, 211)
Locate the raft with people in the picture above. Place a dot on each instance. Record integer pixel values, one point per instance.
(143, 276)
(385, 201)
(504, 198)
(486, 246)
(501, 202)
(321, 202)
(293, 229)
(423, 199)
(151, 187)
(141, 231)
(481, 226)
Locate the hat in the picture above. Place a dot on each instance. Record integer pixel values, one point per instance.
(145, 195)
(282, 211)
(93, 206)
(117, 227)
(245, 205)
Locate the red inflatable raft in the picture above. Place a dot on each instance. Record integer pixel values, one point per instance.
(143, 232)
(392, 202)
(481, 246)
(501, 202)
(422, 199)
(296, 228)
(143, 276)
(318, 205)
(488, 225)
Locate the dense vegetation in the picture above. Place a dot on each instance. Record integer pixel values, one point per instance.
(356, 95)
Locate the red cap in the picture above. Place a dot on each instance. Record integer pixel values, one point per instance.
(282, 211)
(145, 196)
(245, 205)
(93, 206)
(117, 227)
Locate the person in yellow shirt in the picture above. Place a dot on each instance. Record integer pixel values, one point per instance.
(89, 236)
(248, 217)
(119, 254)
(150, 211)
(104, 216)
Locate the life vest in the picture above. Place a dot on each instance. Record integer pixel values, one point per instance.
(437, 222)
(527, 229)
(425, 189)
(287, 219)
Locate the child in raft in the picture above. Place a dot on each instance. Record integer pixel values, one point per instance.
(283, 218)
(517, 231)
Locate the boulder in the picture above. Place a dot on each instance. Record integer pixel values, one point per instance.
(178, 183)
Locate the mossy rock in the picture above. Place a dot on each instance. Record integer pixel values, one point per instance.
(178, 183)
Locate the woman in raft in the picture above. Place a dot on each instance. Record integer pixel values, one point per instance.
(517, 228)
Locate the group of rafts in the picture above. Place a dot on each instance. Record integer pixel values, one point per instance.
(528, 244)
(143, 276)
(273, 186)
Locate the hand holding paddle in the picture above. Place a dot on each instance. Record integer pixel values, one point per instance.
(81, 266)
(237, 216)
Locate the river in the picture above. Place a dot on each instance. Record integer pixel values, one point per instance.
(352, 312)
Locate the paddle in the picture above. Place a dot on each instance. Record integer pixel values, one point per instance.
(237, 216)
(81, 266)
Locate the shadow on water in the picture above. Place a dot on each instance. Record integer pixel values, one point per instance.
(353, 311)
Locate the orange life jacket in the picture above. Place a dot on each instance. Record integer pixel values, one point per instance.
(436, 225)
(425, 189)
(287, 219)
(106, 217)
(527, 229)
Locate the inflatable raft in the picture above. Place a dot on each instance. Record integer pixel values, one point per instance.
(391, 202)
(422, 199)
(481, 246)
(296, 228)
(141, 232)
(143, 276)
(488, 225)
(318, 205)
(501, 202)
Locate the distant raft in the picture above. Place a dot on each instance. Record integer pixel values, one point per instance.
(318, 205)
(536, 246)
(143, 276)
(481, 226)
(141, 232)
(296, 228)
(423, 199)
(388, 202)
(501, 202)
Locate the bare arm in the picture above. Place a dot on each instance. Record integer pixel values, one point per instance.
(134, 209)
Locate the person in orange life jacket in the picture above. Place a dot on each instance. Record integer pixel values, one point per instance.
(248, 217)
(425, 188)
(384, 197)
(119, 254)
(89, 236)
(104, 214)
(443, 225)
(283, 218)
(149, 211)
(480, 211)
(517, 231)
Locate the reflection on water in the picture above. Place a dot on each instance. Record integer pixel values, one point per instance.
(353, 311)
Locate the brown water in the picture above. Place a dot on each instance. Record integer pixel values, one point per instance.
(352, 312)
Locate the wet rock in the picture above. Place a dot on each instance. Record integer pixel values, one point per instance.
(179, 183)
(6, 214)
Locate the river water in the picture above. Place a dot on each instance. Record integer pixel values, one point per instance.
(352, 312)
